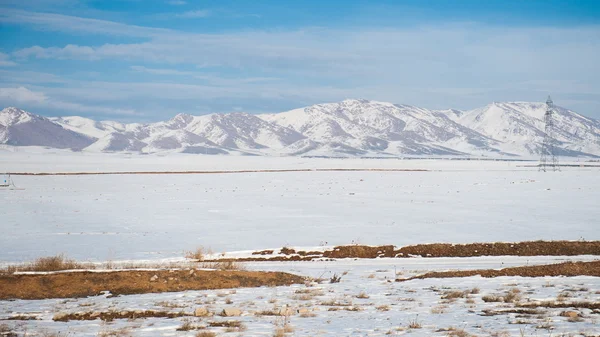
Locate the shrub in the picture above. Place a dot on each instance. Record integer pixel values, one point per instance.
(414, 324)
(49, 263)
(206, 334)
(197, 254)
(362, 295)
(335, 279)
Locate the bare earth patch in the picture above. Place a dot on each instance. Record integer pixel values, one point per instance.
(527, 248)
(559, 269)
(86, 283)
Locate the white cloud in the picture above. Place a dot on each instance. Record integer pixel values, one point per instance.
(74, 24)
(216, 80)
(22, 95)
(5, 61)
(200, 13)
(26, 76)
(154, 71)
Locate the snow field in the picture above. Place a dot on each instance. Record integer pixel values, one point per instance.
(116, 217)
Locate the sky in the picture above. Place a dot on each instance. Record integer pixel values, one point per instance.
(147, 60)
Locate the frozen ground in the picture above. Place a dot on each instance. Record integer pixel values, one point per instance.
(114, 217)
(365, 303)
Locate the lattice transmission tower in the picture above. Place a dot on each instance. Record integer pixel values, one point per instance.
(549, 156)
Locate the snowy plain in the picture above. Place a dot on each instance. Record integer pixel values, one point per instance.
(156, 217)
(115, 217)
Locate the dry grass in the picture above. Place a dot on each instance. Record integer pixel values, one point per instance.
(353, 308)
(383, 307)
(123, 332)
(335, 279)
(362, 295)
(414, 323)
(303, 297)
(554, 304)
(189, 325)
(198, 254)
(491, 298)
(454, 294)
(455, 332)
(282, 331)
(307, 314)
(575, 319)
(49, 263)
(440, 309)
(6, 331)
(563, 296)
(224, 265)
(273, 312)
(227, 324)
(511, 296)
(109, 316)
(206, 334)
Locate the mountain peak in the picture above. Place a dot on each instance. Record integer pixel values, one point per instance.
(11, 116)
(180, 120)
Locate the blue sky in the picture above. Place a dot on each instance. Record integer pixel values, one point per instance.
(147, 60)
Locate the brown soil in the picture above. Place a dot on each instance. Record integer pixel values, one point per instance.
(560, 269)
(82, 284)
(363, 252)
(528, 248)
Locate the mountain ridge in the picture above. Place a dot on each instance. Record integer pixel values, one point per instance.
(341, 129)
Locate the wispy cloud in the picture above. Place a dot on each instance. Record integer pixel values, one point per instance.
(23, 95)
(199, 13)
(216, 80)
(5, 61)
(75, 24)
(26, 76)
(155, 71)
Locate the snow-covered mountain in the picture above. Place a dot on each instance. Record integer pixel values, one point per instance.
(347, 128)
(519, 127)
(21, 128)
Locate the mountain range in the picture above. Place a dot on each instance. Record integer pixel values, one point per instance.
(349, 128)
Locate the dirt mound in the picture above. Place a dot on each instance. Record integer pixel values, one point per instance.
(527, 248)
(362, 252)
(560, 269)
(83, 284)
